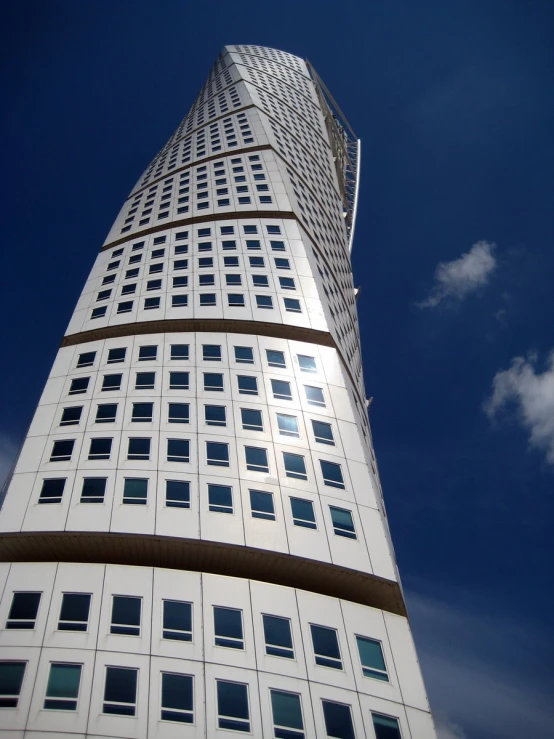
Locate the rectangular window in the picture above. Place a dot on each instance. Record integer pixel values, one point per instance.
(275, 358)
(100, 449)
(244, 354)
(142, 412)
(251, 419)
(232, 280)
(338, 721)
(151, 303)
(281, 389)
(74, 612)
(180, 282)
(106, 413)
(323, 432)
(177, 620)
(207, 299)
(371, 658)
(295, 466)
(116, 355)
(326, 647)
(260, 281)
(217, 454)
(145, 381)
(62, 450)
(261, 505)
(213, 382)
(125, 307)
(385, 727)
(247, 385)
(220, 498)
(232, 706)
(71, 416)
(282, 263)
(230, 261)
(179, 413)
(206, 280)
(228, 628)
(256, 459)
(256, 261)
(52, 490)
(111, 382)
(343, 523)
(235, 300)
(277, 245)
(135, 491)
(306, 364)
(179, 351)
(138, 448)
(177, 698)
(215, 415)
(154, 285)
(86, 359)
(332, 474)
(62, 690)
(177, 494)
(303, 513)
(287, 715)
(147, 353)
(11, 680)
(292, 305)
(79, 385)
(278, 636)
(264, 301)
(314, 395)
(178, 450)
(98, 312)
(126, 615)
(93, 490)
(287, 283)
(288, 425)
(180, 264)
(178, 380)
(120, 691)
(23, 611)
(211, 353)
(126, 290)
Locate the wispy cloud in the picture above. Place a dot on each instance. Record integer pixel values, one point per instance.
(455, 280)
(531, 394)
(488, 677)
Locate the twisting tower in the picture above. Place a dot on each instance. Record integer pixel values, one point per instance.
(194, 542)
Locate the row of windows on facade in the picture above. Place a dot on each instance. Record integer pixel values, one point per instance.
(210, 353)
(202, 263)
(177, 701)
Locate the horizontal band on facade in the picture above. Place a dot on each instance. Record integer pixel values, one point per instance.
(216, 558)
(234, 215)
(203, 325)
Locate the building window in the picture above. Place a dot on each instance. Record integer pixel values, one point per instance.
(179, 351)
(111, 382)
(100, 449)
(332, 474)
(79, 385)
(86, 359)
(142, 412)
(235, 300)
(62, 690)
(314, 395)
(71, 416)
(385, 727)
(247, 385)
(213, 382)
(261, 505)
(287, 283)
(125, 307)
(217, 454)
(303, 513)
(228, 628)
(260, 281)
(287, 715)
(275, 358)
(178, 450)
(264, 301)
(147, 353)
(220, 499)
(177, 494)
(178, 380)
(178, 413)
(338, 720)
(177, 620)
(138, 449)
(278, 636)
(93, 490)
(207, 299)
(106, 413)
(343, 523)
(256, 459)
(98, 312)
(120, 691)
(282, 263)
(215, 415)
(74, 612)
(326, 647)
(281, 390)
(145, 381)
(244, 355)
(292, 305)
(295, 466)
(11, 680)
(151, 303)
(135, 491)
(116, 355)
(371, 658)
(323, 432)
(23, 611)
(288, 425)
(211, 353)
(232, 706)
(251, 419)
(52, 490)
(177, 698)
(126, 615)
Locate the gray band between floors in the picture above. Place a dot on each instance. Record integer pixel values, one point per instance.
(197, 555)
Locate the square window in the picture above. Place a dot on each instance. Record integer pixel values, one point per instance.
(180, 281)
(247, 385)
(217, 454)
(256, 459)
(125, 307)
(98, 312)
(179, 380)
(314, 395)
(177, 698)
(220, 498)
(179, 301)
(292, 305)
(177, 494)
(228, 628)
(178, 450)
(111, 382)
(79, 385)
(74, 613)
(71, 416)
(62, 690)
(323, 432)
(251, 419)
(180, 264)
(235, 300)
(326, 647)
(179, 351)
(135, 491)
(11, 680)
(120, 691)
(108, 280)
(211, 352)
(261, 505)
(138, 448)
(126, 612)
(116, 355)
(244, 354)
(52, 490)
(179, 413)
(338, 720)
(93, 490)
(207, 299)
(213, 382)
(100, 449)
(86, 359)
(23, 611)
(281, 389)
(129, 289)
(232, 706)
(264, 301)
(385, 727)
(206, 280)
(332, 474)
(147, 353)
(181, 249)
(62, 450)
(303, 513)
(275, 358)
(288, 425)
(287, 283)
(256, 261)
(260, 281)
(154, 285)
(233, 280)
(145, 381)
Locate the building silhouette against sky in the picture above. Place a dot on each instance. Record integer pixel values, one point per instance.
(194, 541)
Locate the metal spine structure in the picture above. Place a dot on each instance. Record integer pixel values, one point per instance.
(193, 541)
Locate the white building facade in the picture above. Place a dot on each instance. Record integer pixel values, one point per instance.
(194, 542)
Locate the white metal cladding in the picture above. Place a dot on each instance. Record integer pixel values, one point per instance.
(209, 388)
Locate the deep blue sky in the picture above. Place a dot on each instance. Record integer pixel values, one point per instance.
(454, 104)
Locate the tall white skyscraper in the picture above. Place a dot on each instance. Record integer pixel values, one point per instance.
(194, 542)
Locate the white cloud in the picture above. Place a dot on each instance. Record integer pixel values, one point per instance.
(456, 279)
(448, 730)
(532, 394)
